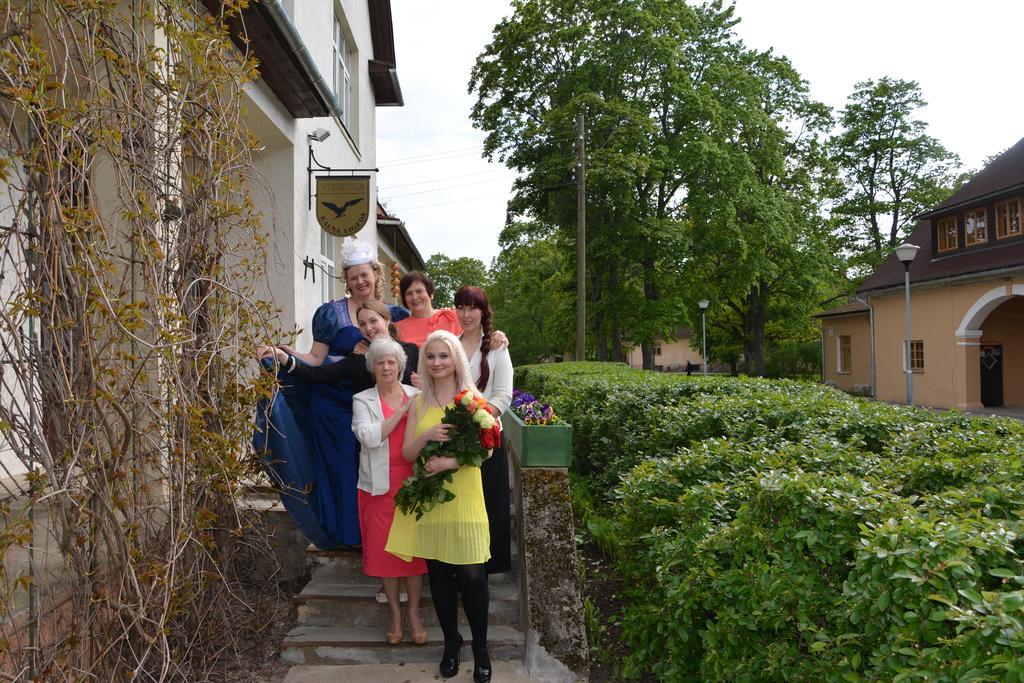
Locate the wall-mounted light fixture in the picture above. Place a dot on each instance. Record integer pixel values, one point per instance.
(319, 134)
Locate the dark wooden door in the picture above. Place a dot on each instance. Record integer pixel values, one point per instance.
(992, 375)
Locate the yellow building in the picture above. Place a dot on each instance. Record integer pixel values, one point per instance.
(966, 304)
(671, 356)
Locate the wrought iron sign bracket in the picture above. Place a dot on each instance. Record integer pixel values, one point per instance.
(315, 167)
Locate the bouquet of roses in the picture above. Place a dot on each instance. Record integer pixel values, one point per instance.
(476, 432)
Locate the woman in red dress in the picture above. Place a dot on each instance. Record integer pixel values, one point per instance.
(378, 420)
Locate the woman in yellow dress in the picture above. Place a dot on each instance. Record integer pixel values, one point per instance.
(453, 536)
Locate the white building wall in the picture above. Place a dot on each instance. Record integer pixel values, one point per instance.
(287, 214)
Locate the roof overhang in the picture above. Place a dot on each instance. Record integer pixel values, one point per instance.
(387, 91)
(939, 282)
(401, 243)
(847, 314)
(980, 199)
(264, 31)
(849, 308)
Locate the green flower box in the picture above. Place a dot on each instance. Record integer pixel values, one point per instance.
(538, 445)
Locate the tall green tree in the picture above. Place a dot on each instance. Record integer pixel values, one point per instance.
(763, 249)
(696, 145)
(533, 293)
(891, 167)
(628, 68)
(452, 274)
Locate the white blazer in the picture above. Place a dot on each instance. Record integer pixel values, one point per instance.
(374, 455)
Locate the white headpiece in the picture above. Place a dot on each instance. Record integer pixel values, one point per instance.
(356, 252)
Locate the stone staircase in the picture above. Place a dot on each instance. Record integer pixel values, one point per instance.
(340, 623)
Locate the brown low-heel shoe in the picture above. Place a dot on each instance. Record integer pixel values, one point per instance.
(419, 637)
(394, 638)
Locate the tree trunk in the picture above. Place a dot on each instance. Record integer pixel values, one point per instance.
(876, 231)
(753, 326)
(616, 328)
(618, 354)
(600, 342)
(651, 294)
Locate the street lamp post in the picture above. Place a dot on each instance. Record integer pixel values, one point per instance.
(906, 253)
(704, 303)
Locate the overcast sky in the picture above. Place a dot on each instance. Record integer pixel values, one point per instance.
(965, 55)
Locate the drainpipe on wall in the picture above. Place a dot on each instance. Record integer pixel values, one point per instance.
(823, 350)
(871, 328)
(275, 9)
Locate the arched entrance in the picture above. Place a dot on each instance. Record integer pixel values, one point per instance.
(990, 340)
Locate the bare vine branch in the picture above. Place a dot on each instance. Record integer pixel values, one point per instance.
(127, 404)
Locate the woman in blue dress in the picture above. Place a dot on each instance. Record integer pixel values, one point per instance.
(323, 494)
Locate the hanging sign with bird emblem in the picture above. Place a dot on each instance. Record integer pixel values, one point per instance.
(342, 203)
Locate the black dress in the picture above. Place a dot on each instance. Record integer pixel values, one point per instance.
(494, 473)
(352, 369)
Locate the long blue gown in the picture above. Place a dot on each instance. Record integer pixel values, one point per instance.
(307, 442)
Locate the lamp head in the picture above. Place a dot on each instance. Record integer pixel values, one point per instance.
(319, 134)
(906, 252)
(703, 303)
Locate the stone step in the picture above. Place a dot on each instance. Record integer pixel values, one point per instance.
(326, 604)
(349, 569)
(364, 645)
(346, 556)
(419, 672)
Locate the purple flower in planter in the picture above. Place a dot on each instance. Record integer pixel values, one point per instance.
(530, 411)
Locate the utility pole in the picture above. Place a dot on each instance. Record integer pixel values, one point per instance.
(581, 239)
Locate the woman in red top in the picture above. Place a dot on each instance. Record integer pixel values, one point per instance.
(417, 290)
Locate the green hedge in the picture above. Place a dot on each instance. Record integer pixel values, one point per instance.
(778, 530)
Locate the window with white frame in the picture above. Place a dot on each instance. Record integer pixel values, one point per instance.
(327, 289)
(342, 81)
(844, 357)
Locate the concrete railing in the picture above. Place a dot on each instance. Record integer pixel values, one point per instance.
(551, 599)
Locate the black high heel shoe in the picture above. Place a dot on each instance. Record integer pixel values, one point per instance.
(481, 666)
(450, 658)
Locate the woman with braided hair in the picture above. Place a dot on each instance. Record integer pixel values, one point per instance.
(491, 370)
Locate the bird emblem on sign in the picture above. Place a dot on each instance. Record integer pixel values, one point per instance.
(342, 203)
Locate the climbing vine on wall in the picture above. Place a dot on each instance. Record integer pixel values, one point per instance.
(130, 255)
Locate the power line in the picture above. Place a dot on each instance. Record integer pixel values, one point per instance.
(431, 154)
(396, 211)
(427, 161)
(451, 177)
(458, 152)
(502, 194)
(447, 187)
